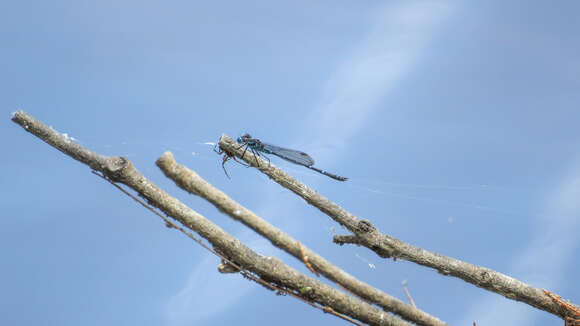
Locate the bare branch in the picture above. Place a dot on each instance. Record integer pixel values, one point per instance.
(194, 184)
(269, 269)
(66, 145)
(387, 246)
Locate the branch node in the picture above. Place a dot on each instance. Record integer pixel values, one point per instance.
(365, 226)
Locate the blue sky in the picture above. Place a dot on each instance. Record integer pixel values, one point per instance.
(457, 123)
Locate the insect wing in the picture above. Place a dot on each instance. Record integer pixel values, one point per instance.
(291, 155)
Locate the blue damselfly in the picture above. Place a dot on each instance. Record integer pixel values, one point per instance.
(294, 156)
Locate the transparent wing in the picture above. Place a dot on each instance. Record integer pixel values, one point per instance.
(291, 155)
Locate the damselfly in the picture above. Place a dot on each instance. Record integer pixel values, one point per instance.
(294, 156)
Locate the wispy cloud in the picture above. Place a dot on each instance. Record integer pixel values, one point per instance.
(207, 293)
(543, 261)
(395, 42)
(203, 295)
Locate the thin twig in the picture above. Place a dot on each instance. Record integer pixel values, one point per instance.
(305, 259)
(409, 297)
